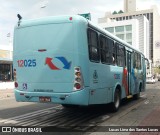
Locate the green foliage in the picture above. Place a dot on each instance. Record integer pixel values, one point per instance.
(115, 12)
(120, 12)
(157, 70)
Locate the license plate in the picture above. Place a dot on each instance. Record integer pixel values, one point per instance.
(45, 99)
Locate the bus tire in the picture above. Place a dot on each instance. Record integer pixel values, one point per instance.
(116, 103)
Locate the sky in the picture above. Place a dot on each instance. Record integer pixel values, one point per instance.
(30, 9)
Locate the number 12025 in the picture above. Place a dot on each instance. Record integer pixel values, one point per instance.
(27, 63)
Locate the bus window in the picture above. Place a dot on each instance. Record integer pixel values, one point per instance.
(110, 44)
(103, 49)
(137, 61)
(93, 45)
(108, 57)
(120, 56)
(114, 53)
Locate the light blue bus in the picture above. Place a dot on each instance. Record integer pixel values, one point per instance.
(70, 61)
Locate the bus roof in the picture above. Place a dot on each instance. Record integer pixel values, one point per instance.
(113, 36)
(51, 19)
(69, 19)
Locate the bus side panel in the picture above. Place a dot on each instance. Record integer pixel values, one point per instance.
(103, 81)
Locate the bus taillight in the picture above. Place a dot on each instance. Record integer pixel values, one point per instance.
(15, 84)
(78, 81)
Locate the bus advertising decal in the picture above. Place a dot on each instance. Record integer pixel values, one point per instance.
(66, 64)
(134, 74)
(124, 80)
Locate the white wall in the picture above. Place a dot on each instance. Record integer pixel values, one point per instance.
(156, 37)
(7, 48)
(135, 27)
(6, 85)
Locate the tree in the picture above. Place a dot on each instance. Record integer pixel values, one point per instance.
(157, 70)
(115, 12)
(120, 12)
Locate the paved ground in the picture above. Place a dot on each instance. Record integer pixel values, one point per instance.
(6, 93)
(147, 113)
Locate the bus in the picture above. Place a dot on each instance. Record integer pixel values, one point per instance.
(68, 60)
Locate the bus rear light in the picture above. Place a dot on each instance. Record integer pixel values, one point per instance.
(78, 74)
(70, 18)
(78, 81)
(15, 84)
(77, 86)
(77, 69)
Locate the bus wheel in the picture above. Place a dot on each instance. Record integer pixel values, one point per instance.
(117, 98)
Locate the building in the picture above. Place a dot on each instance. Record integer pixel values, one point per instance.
(130, 5)
(154, 26)
(6, 63)
(134, 31)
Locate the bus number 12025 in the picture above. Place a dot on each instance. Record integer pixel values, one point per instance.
(27, 63)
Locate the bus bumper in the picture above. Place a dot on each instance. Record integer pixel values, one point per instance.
(76, 98)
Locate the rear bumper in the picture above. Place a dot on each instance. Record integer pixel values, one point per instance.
(77, 98)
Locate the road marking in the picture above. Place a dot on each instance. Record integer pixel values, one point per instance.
(146, 102)
(144, 95)
(65, 118)
(30, 114)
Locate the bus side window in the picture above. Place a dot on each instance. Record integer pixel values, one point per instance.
(120, 55)
(103, 49)
(108, 51)
(114, 53)
(93, 45)
(137, 61)
(134, 60)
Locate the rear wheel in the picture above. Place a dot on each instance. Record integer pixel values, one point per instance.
(116, 103)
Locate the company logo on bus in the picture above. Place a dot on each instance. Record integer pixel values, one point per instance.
(52, 66)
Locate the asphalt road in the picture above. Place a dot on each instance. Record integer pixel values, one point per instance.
(131, 113)
(10, 108)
